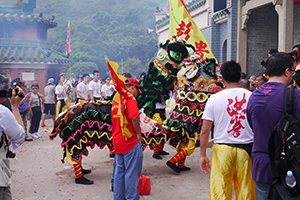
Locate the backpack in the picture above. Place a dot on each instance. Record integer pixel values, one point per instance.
(284, 146)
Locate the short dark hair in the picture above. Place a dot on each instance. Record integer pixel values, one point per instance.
(296, 77)
(244, 83)
(231, 71)
(35, 85)
(85, 75)
(127, 75)
(107, 77)
(297, 46)
(143, 74)
(277, 63)
(95, 71)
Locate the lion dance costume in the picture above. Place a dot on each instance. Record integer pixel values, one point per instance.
(197, 81)
(89, 124)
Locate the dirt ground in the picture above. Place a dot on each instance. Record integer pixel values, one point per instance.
(38, 173)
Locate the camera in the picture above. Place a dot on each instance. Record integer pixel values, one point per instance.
(8, 93)
(9, 154)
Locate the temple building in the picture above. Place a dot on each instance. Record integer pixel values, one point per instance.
(24, 49)
(242, 30)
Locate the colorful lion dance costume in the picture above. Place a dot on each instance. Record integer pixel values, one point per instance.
(197, 81)
(89, 124)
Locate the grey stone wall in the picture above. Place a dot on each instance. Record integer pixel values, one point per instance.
(233, 21)
(225, 31)
(215, 40)
(262, 30)
(207, 34)
(296, 24)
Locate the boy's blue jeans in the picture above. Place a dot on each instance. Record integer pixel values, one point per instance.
(127, 173)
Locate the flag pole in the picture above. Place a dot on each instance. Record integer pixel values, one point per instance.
(68, 47)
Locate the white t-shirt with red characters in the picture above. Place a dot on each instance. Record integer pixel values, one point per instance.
(227, 109)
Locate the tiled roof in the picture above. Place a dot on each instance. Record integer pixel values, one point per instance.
(35, 54)
(21, 17)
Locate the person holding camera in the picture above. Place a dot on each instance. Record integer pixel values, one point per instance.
(296, 55)
(35, 102)
(11, 126)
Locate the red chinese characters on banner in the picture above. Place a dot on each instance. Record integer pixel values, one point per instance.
(237, 114)
(184, 30)
(201, 48)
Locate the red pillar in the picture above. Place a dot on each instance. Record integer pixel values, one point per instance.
(41, 80)
(14, 73)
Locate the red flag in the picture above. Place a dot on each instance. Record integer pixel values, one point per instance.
(68, 45)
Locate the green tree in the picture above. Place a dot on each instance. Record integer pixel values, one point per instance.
(133, 66)
(115, 28)
(80, 68)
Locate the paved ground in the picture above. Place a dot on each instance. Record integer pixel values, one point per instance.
(39, 174)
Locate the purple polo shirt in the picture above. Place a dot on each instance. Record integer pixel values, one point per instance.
(264, 110)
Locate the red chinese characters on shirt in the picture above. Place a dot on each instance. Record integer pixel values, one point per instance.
(237, 114)
(201, 48)
(184, 29)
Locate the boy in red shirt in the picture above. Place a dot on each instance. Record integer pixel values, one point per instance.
(127, 138)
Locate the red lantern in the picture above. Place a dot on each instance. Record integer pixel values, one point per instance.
(297, 2)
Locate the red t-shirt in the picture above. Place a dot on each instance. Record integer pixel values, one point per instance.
(121, 145)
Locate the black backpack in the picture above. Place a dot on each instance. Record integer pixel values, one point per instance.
(284, 146)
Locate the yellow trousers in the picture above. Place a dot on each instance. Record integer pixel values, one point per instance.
(231, 165)
(81, 101)
(59, 110)
(190, 147)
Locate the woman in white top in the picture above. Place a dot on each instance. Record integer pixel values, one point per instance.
(108, 90)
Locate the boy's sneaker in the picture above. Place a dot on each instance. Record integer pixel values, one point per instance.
(38, 135)
(35, 135)
(43, 125)
(32, 135)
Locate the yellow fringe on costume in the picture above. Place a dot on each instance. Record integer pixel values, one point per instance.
(231, 165)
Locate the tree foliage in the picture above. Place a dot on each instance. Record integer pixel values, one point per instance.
(81, 68)
(116, 28)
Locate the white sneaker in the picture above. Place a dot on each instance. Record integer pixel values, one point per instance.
(36, 135)
(33, 136)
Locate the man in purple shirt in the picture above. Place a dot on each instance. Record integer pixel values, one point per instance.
(264, 110)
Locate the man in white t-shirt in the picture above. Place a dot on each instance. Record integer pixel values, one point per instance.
(233, 138)
(95, 87)
(12, 126)
(83, 89)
